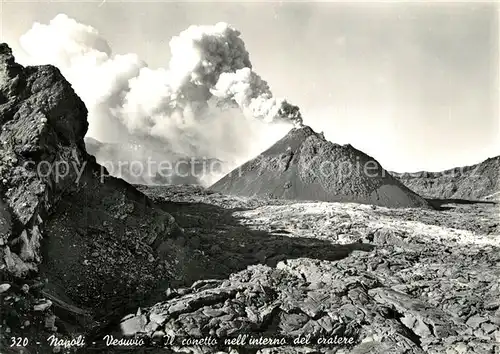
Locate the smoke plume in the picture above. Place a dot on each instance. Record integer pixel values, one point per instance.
(207, 103)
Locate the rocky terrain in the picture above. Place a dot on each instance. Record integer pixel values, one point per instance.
(394, 280)
(86, 254)
(476, 182)
(305, 166)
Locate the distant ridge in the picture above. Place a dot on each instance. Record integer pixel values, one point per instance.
(476, 182)
(305, 166)
(119, 159)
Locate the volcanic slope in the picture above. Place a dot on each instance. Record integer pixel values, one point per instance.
(305, 166)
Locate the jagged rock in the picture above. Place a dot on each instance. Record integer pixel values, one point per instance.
(304, 166)
(476, 321)
(422, 319)
(43, 306)
(53, 193)
(133, 325)
(497, 336)
(50, 321)
(25, 288)
(5, 223)
(496, 317)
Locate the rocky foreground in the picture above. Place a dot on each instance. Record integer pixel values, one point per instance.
(389, 280)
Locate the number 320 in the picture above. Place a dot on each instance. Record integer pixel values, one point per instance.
(18, 341)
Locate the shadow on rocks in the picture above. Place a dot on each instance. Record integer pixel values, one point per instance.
(231, 247)
(443, 204)
(228, 247)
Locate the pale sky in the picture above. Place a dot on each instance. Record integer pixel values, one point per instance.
(413, 85)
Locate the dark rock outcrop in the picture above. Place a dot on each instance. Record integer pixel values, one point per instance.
(101, 244)
(304, 166)
(477, 182)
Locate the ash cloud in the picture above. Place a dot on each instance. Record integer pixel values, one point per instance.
(207, 103)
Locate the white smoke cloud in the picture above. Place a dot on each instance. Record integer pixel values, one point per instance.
(250, 92)
(207, 103)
